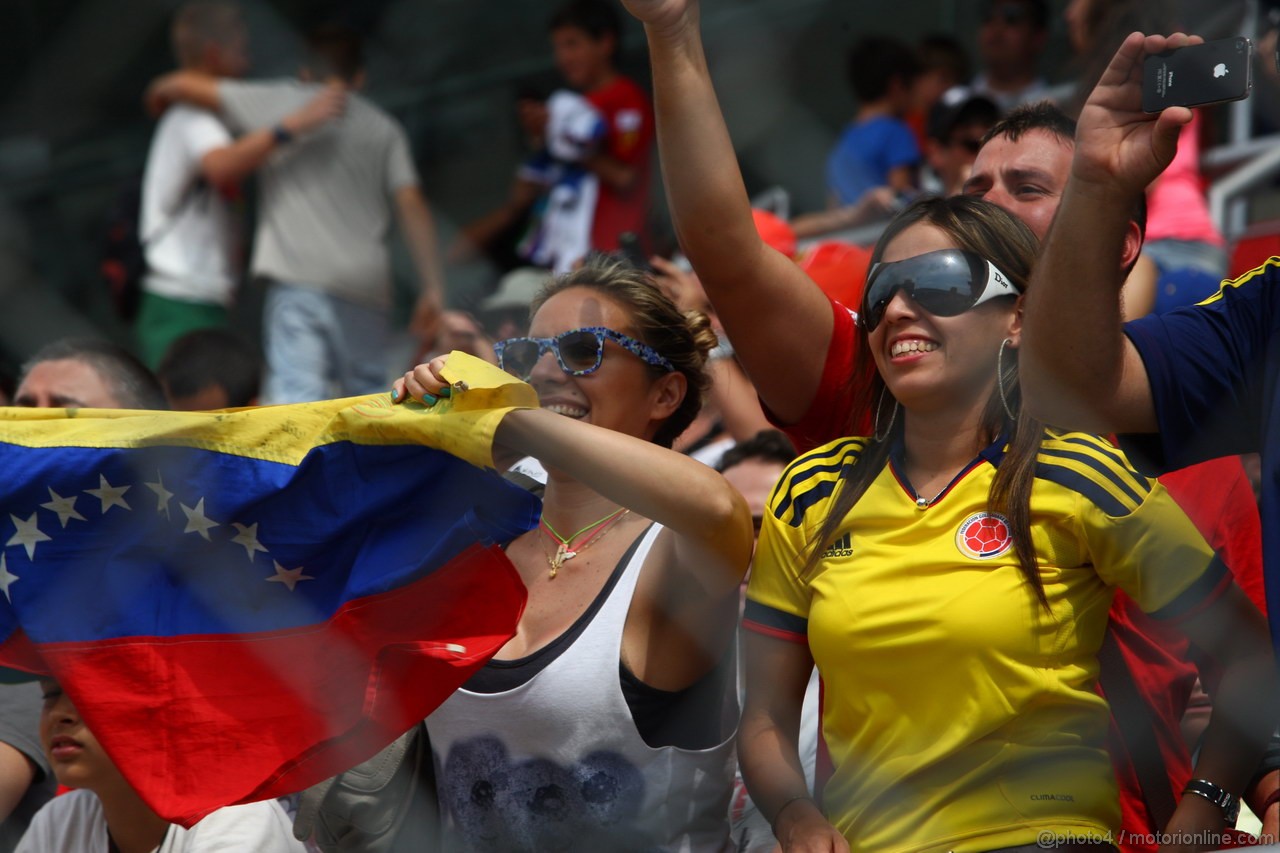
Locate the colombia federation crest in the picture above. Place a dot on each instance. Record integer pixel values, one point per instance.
(984, 535)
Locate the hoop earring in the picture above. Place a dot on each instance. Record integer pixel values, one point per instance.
(893, 416)
(1004, 399)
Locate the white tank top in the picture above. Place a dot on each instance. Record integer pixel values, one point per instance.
(557, 764)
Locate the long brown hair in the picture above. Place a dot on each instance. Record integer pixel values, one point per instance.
(981, 227)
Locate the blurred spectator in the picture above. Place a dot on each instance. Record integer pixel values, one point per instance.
(584, 40)
(943, 66)
(499, 233)
(327, 204)
(1010, 41)
(187, 228)
(554, 194)
(506, 311)
(210, 369)
(459, 331)
(877, 149)
(26, 782)
(957, 124)
(732, 411)
(753, 467)
(75, 373)
(105, 813)
(561, 220)
(64, 373)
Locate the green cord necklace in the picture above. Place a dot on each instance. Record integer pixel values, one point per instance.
(566, 550)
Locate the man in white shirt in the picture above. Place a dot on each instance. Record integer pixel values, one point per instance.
(327, 205)
(188, 225)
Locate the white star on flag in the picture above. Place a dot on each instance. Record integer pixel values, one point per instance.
(197, 521)
(64, 507)
(28, 535)
(248, 537)
(288, 577)
(109, 495)
(6, 578)
(163, 495)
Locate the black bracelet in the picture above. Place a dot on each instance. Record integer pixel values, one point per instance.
(281, 135)
(782, 807)
(1223, 799)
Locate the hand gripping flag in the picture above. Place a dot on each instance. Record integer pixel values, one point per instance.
(244, 603)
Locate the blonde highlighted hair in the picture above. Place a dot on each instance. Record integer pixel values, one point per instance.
(683, 338)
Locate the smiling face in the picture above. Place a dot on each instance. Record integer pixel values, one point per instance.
(932, 363)
(1009, 40)
(623, 394)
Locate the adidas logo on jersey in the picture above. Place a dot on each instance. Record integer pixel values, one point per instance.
(842, 547)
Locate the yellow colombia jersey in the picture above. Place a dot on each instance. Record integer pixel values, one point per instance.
(959, 714)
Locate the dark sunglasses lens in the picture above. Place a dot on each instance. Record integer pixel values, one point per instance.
(941, 284)
(519, 357)
(943, 303)
(580, 351)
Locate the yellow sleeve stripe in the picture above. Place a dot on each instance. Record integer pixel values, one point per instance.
(1093, 476)
(812, 478)
(1272, 261)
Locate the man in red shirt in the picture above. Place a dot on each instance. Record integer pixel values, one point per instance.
(584, 38)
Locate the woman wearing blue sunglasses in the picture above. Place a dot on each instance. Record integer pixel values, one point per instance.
(950, 576)
(606, 723)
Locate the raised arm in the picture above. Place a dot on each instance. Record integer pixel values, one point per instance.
(710, 521)
(419, 229)
(187, 87)
(1078, 368)
(232, 163)
(779, 321)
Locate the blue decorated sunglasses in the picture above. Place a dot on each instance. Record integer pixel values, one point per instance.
(579, 351)
(945, 283)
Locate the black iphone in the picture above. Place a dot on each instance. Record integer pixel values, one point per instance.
(1198, 74)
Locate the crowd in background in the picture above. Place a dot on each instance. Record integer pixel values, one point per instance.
(760, 344)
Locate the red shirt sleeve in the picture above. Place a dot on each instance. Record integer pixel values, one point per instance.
(831, 414)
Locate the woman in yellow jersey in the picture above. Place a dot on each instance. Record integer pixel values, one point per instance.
(950, 576)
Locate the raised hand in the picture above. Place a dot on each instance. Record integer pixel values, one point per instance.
(661, 13)
(423, 382)
(1118, 146)
(325, 106)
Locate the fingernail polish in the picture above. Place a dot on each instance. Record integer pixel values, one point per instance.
(395, 396)
(430, 399)
(445, 391)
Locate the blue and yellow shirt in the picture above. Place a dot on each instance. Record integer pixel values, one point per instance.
(1214, 371)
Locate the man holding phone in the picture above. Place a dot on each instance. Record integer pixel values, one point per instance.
(1203, 378)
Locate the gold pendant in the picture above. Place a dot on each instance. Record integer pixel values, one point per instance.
(563, 555)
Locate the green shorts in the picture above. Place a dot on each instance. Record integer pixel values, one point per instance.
(162, 320)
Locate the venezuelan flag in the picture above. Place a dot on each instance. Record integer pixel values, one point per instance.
(244, 603)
